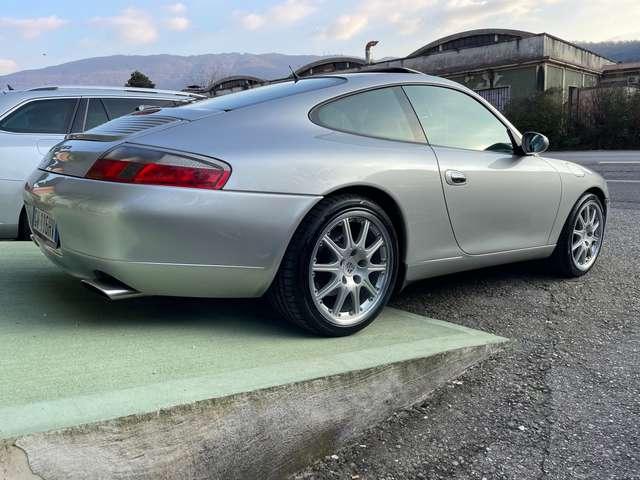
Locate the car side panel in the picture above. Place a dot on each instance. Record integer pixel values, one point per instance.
(275, 153)
(10, 207)
(19, 156)
(576, 180)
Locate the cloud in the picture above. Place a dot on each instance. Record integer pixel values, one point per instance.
(33, 27)
(177, 9)
(7, 66)
(403, 14)
(133, 25)
(347, 26)
(178, 21)
(285, 13)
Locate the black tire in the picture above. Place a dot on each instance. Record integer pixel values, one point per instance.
(24, 230)
(291, 292)
(562, 259)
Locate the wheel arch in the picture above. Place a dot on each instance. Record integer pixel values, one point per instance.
(598, 192)
(391, 208)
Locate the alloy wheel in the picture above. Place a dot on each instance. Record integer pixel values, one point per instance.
(350, 267)
(586, 239)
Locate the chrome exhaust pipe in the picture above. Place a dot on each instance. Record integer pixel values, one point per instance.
(111, 289)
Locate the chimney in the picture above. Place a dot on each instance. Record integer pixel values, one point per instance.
(367, 51)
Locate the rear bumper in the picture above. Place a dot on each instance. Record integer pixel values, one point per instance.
(168, 241)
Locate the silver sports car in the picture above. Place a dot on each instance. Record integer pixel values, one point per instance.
(324, 193)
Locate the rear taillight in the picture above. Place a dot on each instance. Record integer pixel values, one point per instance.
(147, 166)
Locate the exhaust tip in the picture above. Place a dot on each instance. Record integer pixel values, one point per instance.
(111, 288)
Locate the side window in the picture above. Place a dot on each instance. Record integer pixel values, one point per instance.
(41, 116)
(96, 114)
(117, 107)
(453, 119)
(383, 113)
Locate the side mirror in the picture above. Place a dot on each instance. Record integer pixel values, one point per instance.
(533, 142)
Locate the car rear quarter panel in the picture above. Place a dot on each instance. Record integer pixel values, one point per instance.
(284, 152)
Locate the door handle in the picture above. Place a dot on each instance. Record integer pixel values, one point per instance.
(454, 177)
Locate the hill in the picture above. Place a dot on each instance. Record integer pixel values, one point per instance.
(167, 71)
(626, 51)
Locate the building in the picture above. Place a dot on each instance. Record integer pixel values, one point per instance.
(502, 65)
(227, 85)
(621, 74)
(330, 65)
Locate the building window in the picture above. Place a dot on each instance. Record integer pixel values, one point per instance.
(498, 97)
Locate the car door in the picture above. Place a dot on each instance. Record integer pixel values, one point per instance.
(497, 200)
(26, 133)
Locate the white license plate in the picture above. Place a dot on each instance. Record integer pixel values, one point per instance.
(43, 224)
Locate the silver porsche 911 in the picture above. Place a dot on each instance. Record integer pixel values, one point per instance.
(325, 193)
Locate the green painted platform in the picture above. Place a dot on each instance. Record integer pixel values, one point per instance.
(69, 357)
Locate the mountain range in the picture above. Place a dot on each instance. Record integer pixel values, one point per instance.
(177, 71)
(166, 71)
(625, 51)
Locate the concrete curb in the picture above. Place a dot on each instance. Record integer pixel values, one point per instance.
(264, 434)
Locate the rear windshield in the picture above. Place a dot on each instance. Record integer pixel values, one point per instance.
(266, 93)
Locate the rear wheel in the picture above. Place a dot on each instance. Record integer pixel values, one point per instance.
(339, 270)
(581, 239)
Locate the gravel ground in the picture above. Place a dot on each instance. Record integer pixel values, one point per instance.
(561, 402)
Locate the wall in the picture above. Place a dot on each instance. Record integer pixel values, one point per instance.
(522, 80)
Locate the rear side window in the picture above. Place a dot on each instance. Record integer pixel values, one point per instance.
(117, 107)
(41, 116)
(96, 114)
(383, 113)
(454, 119)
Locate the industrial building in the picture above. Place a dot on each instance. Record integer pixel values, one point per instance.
(499, 64)
(507, 64)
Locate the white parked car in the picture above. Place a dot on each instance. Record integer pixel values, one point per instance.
(33, 121)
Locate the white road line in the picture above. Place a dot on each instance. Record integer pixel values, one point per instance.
(622, 181)
(620, 162)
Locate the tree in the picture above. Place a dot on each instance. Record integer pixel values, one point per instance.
(139, 79)
(542, 112)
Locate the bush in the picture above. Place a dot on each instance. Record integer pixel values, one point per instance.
(610, 119)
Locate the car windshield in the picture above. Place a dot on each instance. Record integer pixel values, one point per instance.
(266, 93)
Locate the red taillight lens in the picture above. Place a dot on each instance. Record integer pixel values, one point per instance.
(129, 164)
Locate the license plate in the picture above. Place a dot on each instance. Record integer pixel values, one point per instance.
(43, 224)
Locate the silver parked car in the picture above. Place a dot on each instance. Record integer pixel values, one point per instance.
(33, 121)
(326, 193)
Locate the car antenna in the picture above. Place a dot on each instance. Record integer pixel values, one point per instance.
(294, 75)
(9, 87)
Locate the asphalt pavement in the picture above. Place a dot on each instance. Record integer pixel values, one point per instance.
(562, 402)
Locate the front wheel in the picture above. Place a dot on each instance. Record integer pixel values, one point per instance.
(339, 270)
(581, 239)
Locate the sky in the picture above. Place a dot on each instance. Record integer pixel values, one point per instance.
(35, 34)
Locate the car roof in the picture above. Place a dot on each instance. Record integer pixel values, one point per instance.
(374, 78)
(11, 98)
